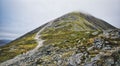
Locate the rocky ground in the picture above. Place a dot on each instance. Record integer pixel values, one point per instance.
(101, 52)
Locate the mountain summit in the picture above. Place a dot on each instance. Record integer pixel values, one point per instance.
(84, 21)
(74, 39)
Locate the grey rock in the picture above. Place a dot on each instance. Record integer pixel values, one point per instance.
(76, 59)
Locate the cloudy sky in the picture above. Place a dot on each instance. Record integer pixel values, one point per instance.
(18, 17)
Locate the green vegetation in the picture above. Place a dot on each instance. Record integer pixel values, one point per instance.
(66, 39)
(65, 36)
(17, 47)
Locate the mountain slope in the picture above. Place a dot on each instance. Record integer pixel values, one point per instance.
(19, 46)
(84, 21)
(75, 39)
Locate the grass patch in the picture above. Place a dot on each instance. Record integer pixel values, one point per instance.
(17, 47)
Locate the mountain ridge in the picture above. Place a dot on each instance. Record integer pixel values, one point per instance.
(89, 18)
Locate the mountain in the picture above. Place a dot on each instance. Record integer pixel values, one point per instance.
(74, 39)
(3, 42)
(85, 21)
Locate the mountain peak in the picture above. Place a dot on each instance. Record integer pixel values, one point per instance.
(84, 21)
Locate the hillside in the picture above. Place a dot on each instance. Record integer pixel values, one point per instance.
(19, 46)
(74, 39)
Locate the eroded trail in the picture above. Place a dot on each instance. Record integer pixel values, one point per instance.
(29, 58)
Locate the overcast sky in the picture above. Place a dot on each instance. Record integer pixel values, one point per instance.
(18, 17)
